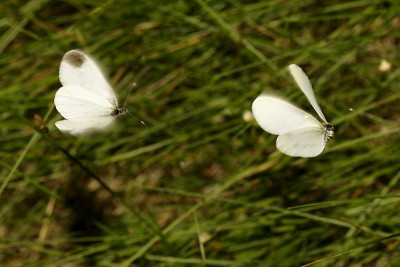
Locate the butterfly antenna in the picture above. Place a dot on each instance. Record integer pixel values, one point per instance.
(130, 89)
(127, 111)
(136, 117)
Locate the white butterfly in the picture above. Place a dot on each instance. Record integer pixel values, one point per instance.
(86, 100)
(299, 133)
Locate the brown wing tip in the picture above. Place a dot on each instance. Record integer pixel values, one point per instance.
(75, 58)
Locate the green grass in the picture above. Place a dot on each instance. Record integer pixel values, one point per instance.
(199, 185)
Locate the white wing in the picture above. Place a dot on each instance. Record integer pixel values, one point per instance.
(74, 102)
(306, 143)
(78, 69)
(84, 125)
(305, 85)
(277, 116)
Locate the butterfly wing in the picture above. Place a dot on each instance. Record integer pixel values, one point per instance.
(305, 85)
(84, 125)
(306, 142)
(278, 116)
(78, 69)
(74, 102)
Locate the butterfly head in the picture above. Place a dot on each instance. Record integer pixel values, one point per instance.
(119, 111)
(329, 131)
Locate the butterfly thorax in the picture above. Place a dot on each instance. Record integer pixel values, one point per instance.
(329, 131)
(119, 111)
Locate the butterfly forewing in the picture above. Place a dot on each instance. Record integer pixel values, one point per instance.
(278, 116)
(305, 85)
(78, 68)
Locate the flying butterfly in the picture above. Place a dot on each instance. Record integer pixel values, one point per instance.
(85, 100)
(299, 133)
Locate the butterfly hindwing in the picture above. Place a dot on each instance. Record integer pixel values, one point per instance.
(306, 142)
(80, 126)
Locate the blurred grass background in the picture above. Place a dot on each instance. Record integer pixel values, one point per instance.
(201, 184)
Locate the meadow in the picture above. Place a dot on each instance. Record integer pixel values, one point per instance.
(200, 183)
